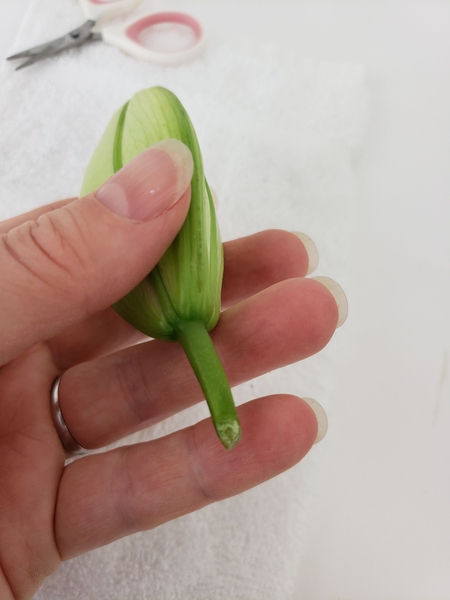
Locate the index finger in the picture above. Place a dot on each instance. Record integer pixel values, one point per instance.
(32, 215)
(252, 264)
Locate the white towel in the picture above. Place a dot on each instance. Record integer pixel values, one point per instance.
(279, 134)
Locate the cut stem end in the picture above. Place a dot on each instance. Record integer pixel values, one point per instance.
(229, 433)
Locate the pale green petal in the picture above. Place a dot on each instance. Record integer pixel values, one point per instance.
(100, 167)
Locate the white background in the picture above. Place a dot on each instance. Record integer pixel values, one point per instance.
(381, 529)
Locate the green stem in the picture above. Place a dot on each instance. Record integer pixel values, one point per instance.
(207, 367)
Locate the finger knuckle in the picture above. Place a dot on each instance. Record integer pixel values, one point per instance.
(52, 249)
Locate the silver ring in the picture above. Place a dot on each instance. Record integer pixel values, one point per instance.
(67, 440)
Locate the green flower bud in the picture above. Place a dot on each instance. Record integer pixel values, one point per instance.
(179, 299)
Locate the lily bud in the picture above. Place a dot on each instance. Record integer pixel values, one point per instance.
(179, 300)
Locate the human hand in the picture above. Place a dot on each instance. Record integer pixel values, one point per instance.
(62, 266)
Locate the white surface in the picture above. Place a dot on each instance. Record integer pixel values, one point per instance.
(96, 11)
(289, 128)
(382, 528)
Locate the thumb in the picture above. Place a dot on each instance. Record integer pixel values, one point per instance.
(78, 259)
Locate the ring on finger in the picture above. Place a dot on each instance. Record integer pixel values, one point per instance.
(67, 440)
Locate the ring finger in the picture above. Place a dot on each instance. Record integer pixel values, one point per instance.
(104, 400)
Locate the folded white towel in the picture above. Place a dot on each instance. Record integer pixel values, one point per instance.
(279, 134)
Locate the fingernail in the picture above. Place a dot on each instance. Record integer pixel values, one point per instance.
(321, 416)
(338, 294)
(151, 183)
(311, 250)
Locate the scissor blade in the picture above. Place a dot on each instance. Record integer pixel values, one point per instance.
(31, 61)
(74, 38)
(32, 51)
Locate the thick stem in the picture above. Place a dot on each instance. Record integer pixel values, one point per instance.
(206, 364)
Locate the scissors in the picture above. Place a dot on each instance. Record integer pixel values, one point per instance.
(128, 35)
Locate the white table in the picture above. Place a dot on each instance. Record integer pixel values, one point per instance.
(381, 529)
